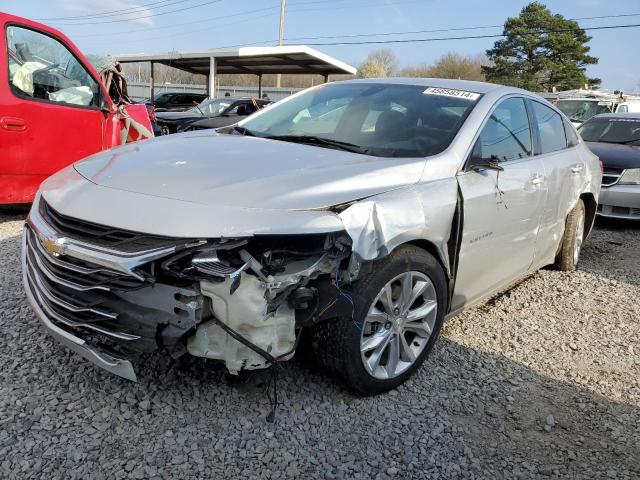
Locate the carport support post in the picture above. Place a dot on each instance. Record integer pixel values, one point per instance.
(151, 89)
(326, 78)
(212, 77)
(259, 85)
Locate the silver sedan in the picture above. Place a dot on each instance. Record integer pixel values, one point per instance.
(349, 220)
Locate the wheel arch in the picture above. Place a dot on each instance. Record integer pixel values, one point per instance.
(590, 207)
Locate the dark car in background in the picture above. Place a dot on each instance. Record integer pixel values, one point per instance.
(211, 113)
(615, 138)
(175, 101)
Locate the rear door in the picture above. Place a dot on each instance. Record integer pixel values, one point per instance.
(565, 174)
(501, 209)
(50, 113)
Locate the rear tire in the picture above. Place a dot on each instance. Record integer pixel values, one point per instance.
(409, 322)
(572, 239)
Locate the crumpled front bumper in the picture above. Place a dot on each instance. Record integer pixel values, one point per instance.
(620, 201)
(101, 358)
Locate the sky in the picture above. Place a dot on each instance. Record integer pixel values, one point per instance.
(148, 26)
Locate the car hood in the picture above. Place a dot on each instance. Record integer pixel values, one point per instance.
(615, 155)
(239, 171)
(178, 116)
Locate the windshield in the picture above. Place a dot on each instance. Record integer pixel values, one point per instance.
(611, 130)
(376, 119)
(583, 110)
(210, 107)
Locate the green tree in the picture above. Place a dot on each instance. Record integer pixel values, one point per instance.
(541, 51)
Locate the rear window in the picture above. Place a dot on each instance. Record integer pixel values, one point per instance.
(611, 130)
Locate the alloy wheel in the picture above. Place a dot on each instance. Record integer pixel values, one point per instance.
(398, 325)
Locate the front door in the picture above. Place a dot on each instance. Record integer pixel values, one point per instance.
(50, 116)
(501, 208)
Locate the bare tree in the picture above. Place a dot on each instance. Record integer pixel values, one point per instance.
(371, 69)
(450, 65)
(379, 63)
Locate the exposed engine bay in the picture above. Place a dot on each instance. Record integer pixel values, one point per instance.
(264, 289)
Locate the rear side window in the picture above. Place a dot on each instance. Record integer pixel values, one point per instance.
(506, 135)
(42, 68)
(550, 128)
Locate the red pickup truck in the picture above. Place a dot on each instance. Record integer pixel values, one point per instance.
(55, 107)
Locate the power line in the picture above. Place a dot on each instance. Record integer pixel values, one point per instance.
(438, 30)
(246, 12)
(219, 17)
(122, 11)
(142, 16)
(369, 4)
(469, 37)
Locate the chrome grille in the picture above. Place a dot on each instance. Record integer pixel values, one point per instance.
(74, 293)
(101, 235)
(610, 176)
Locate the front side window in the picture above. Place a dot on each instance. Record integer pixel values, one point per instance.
(550, 128)
(384, 120)
(42, 68)
(506, 135)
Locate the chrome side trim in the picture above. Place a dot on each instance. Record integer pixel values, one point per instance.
(104, 360)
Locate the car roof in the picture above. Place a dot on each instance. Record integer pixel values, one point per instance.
(467, 85)
(624, 115)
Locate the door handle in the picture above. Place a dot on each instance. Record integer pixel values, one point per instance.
(577, 168)
(537, 180)
(13, 124)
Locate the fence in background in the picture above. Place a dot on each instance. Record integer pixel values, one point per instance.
(140, 90)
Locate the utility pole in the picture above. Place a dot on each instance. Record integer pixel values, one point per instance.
(280, 36)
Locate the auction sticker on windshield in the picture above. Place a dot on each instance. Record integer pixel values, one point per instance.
(448, 92)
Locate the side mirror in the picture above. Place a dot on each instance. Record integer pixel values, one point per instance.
(478, 164)
(103, 103)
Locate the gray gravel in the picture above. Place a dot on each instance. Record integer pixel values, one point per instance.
(541, 381)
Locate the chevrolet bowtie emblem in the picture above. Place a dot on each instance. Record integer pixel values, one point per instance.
(54, 247)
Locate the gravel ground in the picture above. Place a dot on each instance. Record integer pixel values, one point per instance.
(541, 381)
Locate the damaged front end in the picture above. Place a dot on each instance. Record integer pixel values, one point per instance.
(242, 301)
(259, 292)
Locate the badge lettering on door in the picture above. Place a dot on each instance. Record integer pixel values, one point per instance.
(480, 237)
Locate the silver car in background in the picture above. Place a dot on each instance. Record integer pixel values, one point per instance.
(348, 220)
(615, 139)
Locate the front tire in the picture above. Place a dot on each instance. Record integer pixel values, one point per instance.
(572, 239)
(399, 310)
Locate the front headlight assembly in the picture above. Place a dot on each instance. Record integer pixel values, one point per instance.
(630, 177)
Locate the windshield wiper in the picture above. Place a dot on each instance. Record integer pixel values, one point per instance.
(320, 141)
(243, 131)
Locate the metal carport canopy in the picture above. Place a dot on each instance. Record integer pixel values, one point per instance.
(289, 59)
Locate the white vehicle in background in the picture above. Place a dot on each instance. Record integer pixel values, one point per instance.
(581, 105)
